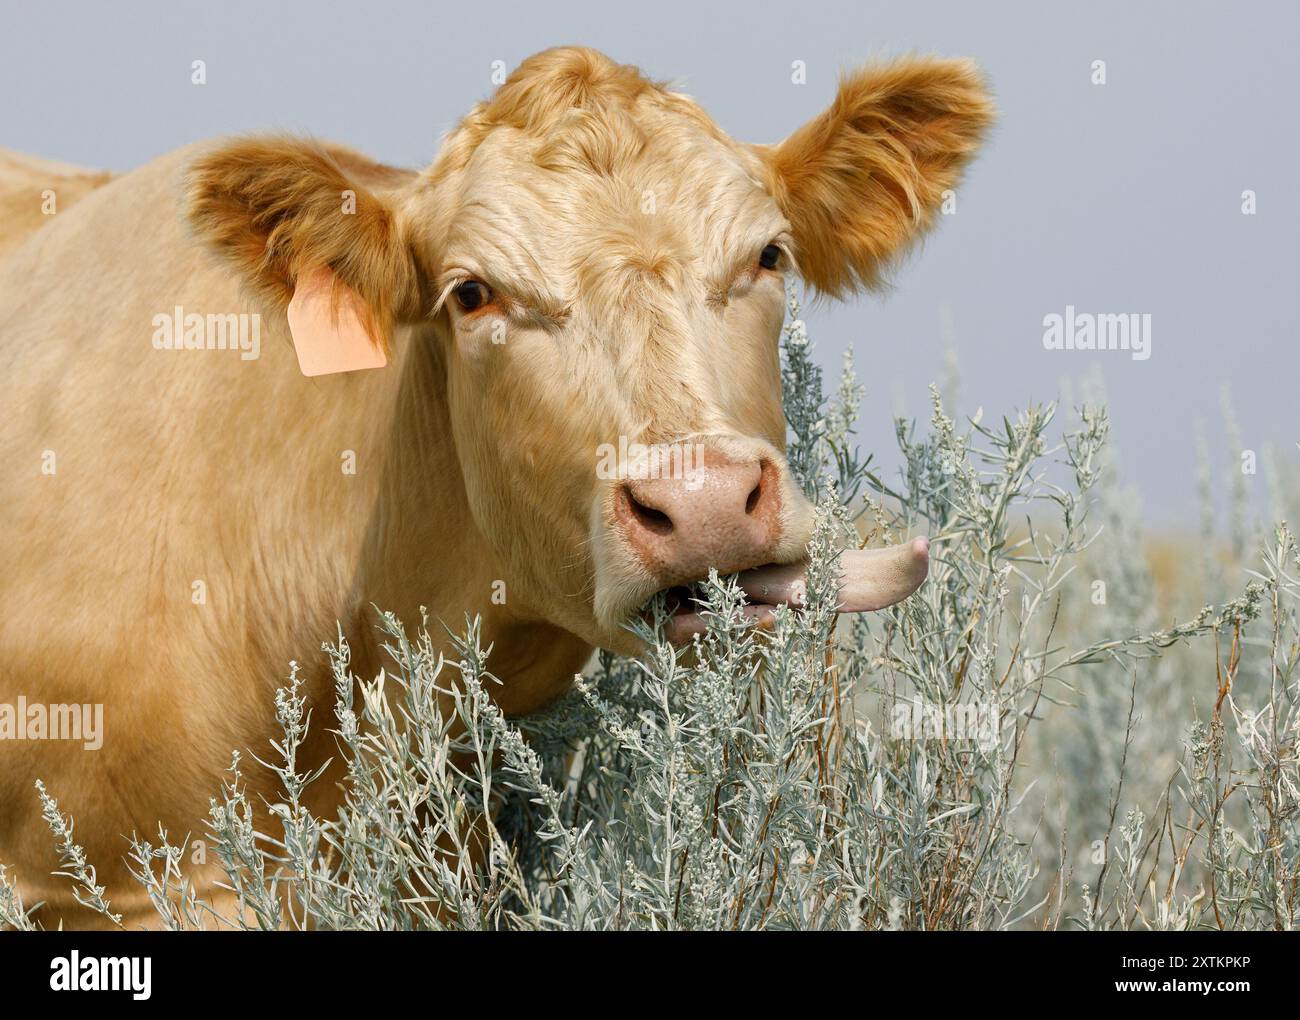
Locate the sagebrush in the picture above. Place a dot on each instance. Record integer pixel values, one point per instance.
(1022, 743)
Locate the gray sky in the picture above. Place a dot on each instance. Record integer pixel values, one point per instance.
(1115, 198)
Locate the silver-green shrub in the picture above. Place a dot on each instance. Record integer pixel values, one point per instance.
(875, 771)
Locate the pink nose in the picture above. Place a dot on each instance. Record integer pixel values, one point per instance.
(724, 514)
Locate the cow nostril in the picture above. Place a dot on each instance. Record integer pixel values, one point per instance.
(758, 494)
(653, 520)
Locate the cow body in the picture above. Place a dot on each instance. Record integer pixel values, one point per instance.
(177, 467)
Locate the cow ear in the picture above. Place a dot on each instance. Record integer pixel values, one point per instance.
(860, 182)
(281, 211)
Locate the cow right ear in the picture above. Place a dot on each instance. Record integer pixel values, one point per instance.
(866, 178)
(289, 215)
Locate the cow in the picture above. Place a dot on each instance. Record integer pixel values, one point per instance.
(260, 386)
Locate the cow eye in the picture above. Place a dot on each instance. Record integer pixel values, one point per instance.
(770, 257)
(472, 294)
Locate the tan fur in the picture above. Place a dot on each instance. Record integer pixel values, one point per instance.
(25, 182)
(475, 460)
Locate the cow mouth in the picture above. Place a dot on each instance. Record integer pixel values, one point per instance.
(684, 605)
(870, 579)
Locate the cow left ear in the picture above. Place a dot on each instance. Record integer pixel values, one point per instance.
(863, 180)
(287, 214)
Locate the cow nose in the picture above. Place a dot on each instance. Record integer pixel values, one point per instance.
(722, 514)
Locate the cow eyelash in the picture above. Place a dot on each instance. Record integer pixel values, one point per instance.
(468, 294)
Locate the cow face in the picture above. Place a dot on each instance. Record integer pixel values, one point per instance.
(604, 269)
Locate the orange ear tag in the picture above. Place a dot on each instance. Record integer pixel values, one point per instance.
(327, 343)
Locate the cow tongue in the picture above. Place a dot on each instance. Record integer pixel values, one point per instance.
(870, 579)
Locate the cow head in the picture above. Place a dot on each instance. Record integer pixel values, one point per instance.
(603, 268)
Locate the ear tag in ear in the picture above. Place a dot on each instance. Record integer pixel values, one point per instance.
(327, 342)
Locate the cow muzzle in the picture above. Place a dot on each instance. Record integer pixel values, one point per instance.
(725, 513)
(719, 512)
